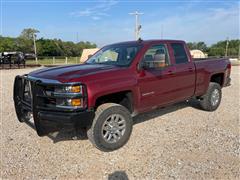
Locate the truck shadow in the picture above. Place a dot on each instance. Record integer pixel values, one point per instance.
(165, 110)
(81, 134)
(64, 134)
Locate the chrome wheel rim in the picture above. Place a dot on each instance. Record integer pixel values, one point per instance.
(215, 97)
(113, 128)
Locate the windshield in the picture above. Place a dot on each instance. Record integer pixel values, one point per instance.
(119, 55)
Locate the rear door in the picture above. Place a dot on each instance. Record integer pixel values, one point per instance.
(184, 72)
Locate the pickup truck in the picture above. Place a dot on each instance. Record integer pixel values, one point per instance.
(118, 82)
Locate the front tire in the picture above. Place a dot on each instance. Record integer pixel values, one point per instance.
(212, 99)
(111, 127)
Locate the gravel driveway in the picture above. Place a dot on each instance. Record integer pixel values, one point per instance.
(178, 142)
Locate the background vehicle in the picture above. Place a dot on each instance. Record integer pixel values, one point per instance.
(12, 58)
(118, 82)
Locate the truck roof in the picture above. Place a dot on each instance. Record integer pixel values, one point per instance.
(150, 41)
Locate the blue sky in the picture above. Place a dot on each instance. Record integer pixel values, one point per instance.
(108, 21)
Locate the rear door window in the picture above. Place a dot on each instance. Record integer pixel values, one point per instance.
(179, 53)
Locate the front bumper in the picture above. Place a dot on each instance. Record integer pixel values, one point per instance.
(54, 121)
(47, 118)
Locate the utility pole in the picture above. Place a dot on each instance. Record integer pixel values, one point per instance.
(35, 47)
(226, 51)
(137, 26)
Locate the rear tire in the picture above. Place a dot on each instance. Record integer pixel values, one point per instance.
(212, 99)
(111, 127)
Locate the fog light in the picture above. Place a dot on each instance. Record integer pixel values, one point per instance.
(76, 102)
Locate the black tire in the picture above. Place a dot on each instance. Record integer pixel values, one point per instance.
(206, 100)
(95, 133)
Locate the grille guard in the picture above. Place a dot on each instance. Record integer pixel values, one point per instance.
(37, 106)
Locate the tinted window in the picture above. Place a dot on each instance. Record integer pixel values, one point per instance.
(179, 53)
(156, 57)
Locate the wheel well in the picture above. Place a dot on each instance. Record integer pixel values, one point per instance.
(217, 78)
(124, 98)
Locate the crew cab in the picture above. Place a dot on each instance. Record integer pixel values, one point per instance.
(118, 82)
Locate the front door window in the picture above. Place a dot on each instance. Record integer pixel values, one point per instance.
(156, 57)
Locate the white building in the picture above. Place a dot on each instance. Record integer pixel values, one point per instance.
(86, 53)
(198, 54)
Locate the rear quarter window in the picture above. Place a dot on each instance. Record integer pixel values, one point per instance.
(179, 53)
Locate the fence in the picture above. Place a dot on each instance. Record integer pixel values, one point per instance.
(54, 60)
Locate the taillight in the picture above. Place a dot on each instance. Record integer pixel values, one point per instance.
(229, 66)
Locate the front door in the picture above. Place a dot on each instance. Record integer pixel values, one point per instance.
(157, 80)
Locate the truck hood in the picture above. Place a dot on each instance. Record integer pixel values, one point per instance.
(69, 73)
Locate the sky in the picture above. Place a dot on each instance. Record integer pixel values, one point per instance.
(108, 21)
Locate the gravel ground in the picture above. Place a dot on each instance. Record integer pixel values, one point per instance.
(178, 142)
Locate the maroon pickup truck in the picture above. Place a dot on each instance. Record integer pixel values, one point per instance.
(118, 82)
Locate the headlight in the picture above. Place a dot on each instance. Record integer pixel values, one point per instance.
(69, 89)
(70, 96)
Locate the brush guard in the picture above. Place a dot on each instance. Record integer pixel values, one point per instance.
(32, 101)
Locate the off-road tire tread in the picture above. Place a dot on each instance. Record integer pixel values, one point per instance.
(205, 102)
(98, 112)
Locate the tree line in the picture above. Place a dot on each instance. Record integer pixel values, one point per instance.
(45, 47)
(218, 49)
(57, 47)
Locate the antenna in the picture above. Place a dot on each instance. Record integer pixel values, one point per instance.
(137, 26)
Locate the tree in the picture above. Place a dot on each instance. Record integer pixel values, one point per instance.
(219, 48)
(198, 45)
(47, 47)
(57, 47)
(7, 44)
(28, 33)
(84, 45)
(25, 40)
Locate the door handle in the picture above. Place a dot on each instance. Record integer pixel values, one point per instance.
(170, 72)
(190, 69)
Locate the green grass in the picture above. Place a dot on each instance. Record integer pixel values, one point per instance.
(58, 61)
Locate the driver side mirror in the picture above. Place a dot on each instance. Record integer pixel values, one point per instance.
(140, 65)
(143, 65)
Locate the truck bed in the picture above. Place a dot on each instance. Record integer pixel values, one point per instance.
(205, 68)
